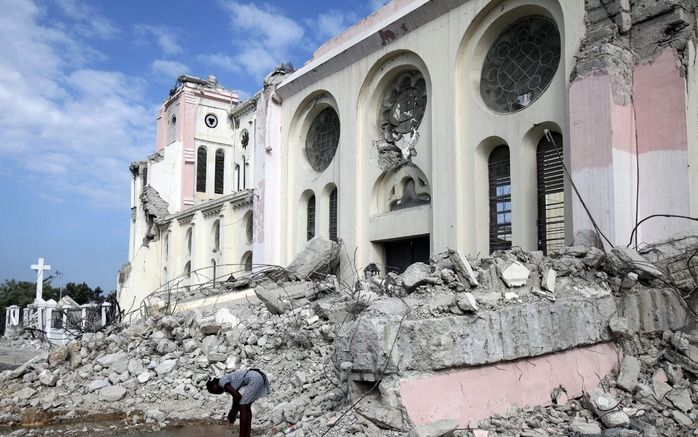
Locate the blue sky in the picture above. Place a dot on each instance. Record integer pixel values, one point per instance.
(80, 85)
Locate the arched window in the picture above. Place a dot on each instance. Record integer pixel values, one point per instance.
(244, 138)
(187, 269)
(218, 174)
(551, 196)
(167, 246)
(201, 170)
(188, 238)
(247, 261)
(216, 236)
(213, 275)
(333, 215)
(500, 199)
(310, 228)
(237, 177)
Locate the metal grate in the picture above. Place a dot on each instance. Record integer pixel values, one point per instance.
(201, 170)
(310, 228)
(219, 173)
(333, 215)
(551, 196)
(322, 140)
(520, 64)
(500, 199)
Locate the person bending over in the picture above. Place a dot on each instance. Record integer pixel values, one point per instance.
(254, 385)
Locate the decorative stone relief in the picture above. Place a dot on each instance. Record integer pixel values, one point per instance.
(401, 110)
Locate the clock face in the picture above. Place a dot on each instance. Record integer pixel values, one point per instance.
(211, 120)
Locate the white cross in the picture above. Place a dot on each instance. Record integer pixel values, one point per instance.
(40, 267)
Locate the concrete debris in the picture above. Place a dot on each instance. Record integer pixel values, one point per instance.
(548, 280)
(153, 204)
(607, 408)
(319, 256)
(415, 275)
(634, 261)
(325, 347)
(629, 372)
(462, 268)
(515, 274)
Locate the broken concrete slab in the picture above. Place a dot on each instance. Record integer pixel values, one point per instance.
(415, 275)
(318, 256)
(462, 268)
(510, 332)
(514, 274)
(607, 408)
(281, 298)
(581, 428)
(629, 372)
(435, 429)
(548, 280)
(165, 367)
(634, 261)
(466, 302)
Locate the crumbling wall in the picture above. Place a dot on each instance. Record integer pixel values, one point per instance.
(623, 33)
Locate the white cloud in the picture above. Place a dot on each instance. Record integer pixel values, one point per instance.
(68, 127)
(165, 37)
(168, 70)
(331, 23)
(87, 21)
(262, 37)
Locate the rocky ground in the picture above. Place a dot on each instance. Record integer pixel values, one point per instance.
(151, 373)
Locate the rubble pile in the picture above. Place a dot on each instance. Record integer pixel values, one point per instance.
(336, 349)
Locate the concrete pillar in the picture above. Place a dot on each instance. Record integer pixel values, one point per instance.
(105, 307)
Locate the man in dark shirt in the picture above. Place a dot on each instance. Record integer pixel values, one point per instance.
(256, 385)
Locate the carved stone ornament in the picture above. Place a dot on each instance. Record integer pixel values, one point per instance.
(402, 108)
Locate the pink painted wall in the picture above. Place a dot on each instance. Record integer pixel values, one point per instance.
(660, 107)
(477, 393)
(605, 138)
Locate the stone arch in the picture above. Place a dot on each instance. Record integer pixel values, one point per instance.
(310, 108)
(246, 261)
(400, 188)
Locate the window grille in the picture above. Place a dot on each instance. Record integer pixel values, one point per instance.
(322, 140)
(201, 170)
(219, 173)
(310, 229)
(551, 196)
(520, 64)
(403, 105)
(333, 215)
(500, 199)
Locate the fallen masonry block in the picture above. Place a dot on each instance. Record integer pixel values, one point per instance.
(548, 280)
(515, 274)
(462, 268)
(415, 275)
(281, 298)
(607, 408)
(507, 333)
(634, 261)
(318, 256)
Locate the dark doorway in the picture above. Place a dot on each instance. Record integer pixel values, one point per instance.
(399, 254)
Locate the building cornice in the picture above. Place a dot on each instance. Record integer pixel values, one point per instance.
(237, 200)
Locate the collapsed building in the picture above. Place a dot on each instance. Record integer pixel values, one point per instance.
(557, 136)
